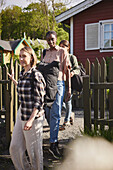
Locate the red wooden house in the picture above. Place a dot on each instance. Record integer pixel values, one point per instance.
(91, 29)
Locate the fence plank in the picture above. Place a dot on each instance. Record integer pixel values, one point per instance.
(8, 135)
(96, 92)
(104, 85)
(11, 99)
(15, 91)
(102, 91)
(111, 90)
(87, 67)
(6, 104)
(87, 102)
(0, 89)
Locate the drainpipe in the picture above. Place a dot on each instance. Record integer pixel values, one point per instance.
(71, 35)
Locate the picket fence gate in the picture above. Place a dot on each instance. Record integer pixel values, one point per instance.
(98, 95)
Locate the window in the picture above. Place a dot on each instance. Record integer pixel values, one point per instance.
(92, 36)
(99, 36)
(107, 34)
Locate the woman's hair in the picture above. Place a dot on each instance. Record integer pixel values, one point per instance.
(51, 32)
(65, 43)
(30, 51)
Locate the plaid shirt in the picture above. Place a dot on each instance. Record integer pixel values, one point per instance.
(29, 98)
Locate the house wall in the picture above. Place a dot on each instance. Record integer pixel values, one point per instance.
(6, 57)
(17, 51)
(100, 11)
(1, 55)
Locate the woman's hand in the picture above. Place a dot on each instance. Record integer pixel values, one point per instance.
(11, 76)
(28, 125)
(68, 95)
(72, 74)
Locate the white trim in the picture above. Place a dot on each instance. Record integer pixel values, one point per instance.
(75, 10)
(102, 48)
(71, 35)
(106, 21)
(108, 51)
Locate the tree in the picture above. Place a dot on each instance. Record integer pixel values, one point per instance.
(2, 3)
(10, 23)
(35, 20)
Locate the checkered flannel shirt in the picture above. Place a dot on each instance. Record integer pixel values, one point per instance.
(31, 99)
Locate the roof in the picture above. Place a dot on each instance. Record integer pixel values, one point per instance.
(11, 45)
(5, 45)
(43, 42)
(75, 10)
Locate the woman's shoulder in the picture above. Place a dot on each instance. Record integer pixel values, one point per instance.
(38, 76)
(72, 55)
(36, 73)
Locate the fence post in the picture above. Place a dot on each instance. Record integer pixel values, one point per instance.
(11, 99)
(111, 90)
(87, 103)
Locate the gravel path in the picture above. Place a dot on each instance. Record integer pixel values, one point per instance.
(65, 137)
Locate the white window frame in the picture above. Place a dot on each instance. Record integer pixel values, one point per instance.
(102, 48)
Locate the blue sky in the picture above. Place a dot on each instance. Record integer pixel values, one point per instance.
(24, 3)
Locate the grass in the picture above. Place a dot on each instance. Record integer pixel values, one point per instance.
(97, 132)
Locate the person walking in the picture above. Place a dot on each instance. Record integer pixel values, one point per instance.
(28, 129)
(53, 114)
(74, 70)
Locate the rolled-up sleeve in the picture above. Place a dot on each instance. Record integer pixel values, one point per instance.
(67, 64)
(39, 91)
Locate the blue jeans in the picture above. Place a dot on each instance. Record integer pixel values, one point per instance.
(68, 109)
(53, 114)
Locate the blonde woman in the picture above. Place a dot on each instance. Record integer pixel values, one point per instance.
(27, 133)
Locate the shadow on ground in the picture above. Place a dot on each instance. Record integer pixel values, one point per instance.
(49, 161)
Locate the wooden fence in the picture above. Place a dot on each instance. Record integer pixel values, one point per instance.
(95, 99)
(8, 98)
(98, 94)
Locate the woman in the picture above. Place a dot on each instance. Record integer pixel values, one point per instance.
(74, 70)
(27, 133)
(53, 114)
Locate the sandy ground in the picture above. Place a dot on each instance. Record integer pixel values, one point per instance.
(65, 137)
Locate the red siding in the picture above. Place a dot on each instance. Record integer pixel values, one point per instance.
(100, 11)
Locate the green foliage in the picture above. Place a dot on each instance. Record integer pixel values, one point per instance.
(61, 34)
(104, 133)
(16, 57)
(107, 62)
(10, 19)
(35, 20)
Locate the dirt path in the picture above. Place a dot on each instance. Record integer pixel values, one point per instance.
(66, 136)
